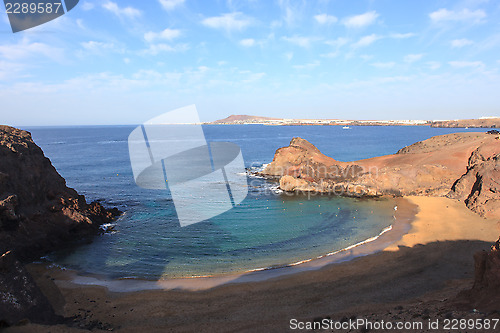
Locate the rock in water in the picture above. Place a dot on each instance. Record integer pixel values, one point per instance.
(38, 212)
(20, 297)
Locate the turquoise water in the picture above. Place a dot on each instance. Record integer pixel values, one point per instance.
(268, 229)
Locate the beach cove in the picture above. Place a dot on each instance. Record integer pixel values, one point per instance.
(416, 265)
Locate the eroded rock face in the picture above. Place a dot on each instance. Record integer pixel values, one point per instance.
(38, 212)
(479, 187)
(430, 167)
(485, 293)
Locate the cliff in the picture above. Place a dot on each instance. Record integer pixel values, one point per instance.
(38, 214)
(461, 165)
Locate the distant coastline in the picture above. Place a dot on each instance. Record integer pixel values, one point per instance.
(484, 122)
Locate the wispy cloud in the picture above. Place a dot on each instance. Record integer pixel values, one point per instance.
(359, 21)
(248, 42)
(167, 34)
(340, 41)
(457, 43)
(467, 64)
(87, 6)
(310, 65)
(366, 40)
(402, 36)
(384, 65)
(97, 46)
(300, 40)
(433, 65)
(411, 58)
(155, 49)
(27, 49)
(325, 19)
(169, 5)
(126, 12)
(228, 22)
(464, 15)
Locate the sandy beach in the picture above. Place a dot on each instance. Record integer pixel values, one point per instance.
(418, 276)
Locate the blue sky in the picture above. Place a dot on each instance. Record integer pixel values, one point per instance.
(124, 62)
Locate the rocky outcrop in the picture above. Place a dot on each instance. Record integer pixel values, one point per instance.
(479, 187)
(20, 297)
(429, 167)
(38, 212)
(485, 293)
(302, 167)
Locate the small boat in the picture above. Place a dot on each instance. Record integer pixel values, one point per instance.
(346, 127)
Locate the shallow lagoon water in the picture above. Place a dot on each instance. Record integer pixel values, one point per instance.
(267, 229)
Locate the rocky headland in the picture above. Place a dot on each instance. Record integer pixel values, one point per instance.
(464, 166)
(38, 214)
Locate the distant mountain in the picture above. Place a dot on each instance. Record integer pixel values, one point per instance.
(243, 118)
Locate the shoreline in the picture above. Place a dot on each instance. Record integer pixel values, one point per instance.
(403, 218)
(418, 275)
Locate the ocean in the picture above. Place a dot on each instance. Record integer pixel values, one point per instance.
(268, 229)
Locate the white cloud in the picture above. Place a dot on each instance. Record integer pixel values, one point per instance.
(384, 65)
(340, 41)
(300, 41)
(325, 19)
(457, 43)
(330, 54)
(366, 40)
(445, 15)
(155, 49)
(10, 70)
(467, 64)
(128, 12)
(433, 65)
(27, 49)
(97, 46)
(252, 77)
(359, 21)
(248, 42)
(87, 6)
(289, 56)
(167, 34)
(228, 22)
(402, 36)
(311, 65)
(169, 5)
(410, 58)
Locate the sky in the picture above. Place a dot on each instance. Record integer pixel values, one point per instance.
(124, 62)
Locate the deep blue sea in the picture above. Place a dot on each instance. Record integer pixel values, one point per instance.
(267, 229)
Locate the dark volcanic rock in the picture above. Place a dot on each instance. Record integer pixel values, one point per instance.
(20, 297)
(38, 212)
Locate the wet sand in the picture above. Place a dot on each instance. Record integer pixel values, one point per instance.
(421, 273)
